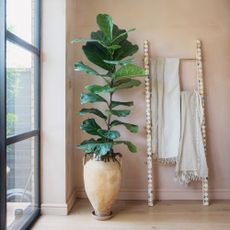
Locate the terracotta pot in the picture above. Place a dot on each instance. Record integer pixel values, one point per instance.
(102, 183)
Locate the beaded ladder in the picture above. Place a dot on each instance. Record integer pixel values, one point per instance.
(200, 81)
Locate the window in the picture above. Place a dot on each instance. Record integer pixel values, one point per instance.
(19, 113)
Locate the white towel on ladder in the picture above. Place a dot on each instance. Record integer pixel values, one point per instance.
(166, 109)
(191, 164)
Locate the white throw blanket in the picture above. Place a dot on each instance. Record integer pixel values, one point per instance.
(165, 103)
(191, 163)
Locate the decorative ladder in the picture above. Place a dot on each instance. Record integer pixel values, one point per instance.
(200, 80)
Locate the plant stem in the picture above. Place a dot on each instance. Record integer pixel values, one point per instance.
(110, 101)
(109, 117)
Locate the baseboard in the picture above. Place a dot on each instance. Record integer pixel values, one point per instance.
(137, 194)
(166, 194)
(71, 200)
(59, 209)
(54, 209)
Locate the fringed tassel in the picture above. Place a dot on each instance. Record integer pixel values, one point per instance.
(185, 177)
(166, 161)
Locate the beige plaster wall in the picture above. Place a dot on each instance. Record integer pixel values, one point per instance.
(171, 26)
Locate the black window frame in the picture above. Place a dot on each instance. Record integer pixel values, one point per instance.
(5, 36)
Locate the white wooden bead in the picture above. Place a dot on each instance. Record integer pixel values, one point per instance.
(149, 167)
(198, 43)
(146, 72)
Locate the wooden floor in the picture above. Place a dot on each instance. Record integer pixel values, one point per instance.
(135, 215)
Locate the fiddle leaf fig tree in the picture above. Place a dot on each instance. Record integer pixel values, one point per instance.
(109, 49)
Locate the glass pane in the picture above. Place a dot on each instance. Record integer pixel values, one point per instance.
(21, 90)
(21, 19)
(22, 181)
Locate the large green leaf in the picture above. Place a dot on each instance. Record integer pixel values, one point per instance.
(121, 36)
(119, 81)
(131, 127)
(90, 126)
(132, 148)
(99, 147)
(99, 36)
(80, 66)
(93, 111)
(91, 98)
(105, 24)
(113, 47)
(131, 83)
(117, 103)
(110, 134)
(77, 40)
(119, 113)
(129, 70)
(121, 62)
(101, 42)
(127, 49)
(98, 88)
(96, 53)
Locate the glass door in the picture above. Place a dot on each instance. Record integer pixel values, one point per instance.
(19, 113)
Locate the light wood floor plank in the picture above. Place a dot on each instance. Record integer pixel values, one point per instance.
(135, 215)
